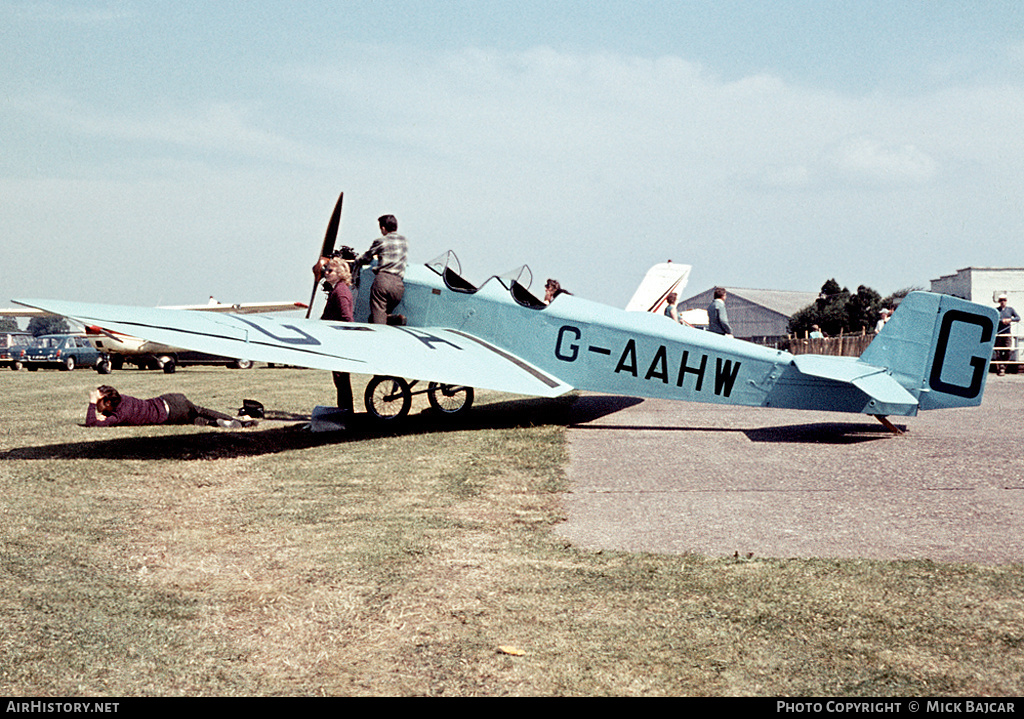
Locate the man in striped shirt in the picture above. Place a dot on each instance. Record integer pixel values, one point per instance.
(391, 251)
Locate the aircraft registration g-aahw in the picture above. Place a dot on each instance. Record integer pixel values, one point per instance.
(932, 354)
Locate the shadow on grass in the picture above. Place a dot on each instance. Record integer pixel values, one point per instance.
(226, 444)
(564, 411)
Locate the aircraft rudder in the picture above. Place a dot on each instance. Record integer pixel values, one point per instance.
(939, 347)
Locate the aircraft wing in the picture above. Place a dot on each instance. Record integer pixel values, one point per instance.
(435, 354)
(244, 308)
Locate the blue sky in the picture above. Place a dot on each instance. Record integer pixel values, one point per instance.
(158, 153)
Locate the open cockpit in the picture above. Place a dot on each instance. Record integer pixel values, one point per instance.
(516, 281)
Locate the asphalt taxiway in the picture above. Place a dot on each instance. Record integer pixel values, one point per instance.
(677, 477)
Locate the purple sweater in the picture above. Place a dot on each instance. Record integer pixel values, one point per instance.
(339, 304)
(131, 411)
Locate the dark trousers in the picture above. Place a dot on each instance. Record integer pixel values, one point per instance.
(1003, 340)
(182, 411)
(343, 384)
(385, 294)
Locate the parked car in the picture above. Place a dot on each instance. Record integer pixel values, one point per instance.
(187, 359)
(170, 361)
(13, 356)
(65, 352)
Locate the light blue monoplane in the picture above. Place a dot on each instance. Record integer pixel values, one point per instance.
(932, 354)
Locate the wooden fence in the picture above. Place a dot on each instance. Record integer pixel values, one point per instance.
(843, 345)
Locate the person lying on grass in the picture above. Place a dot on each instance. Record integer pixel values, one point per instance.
(108, 407)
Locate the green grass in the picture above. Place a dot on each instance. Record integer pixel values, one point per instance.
(191, 561)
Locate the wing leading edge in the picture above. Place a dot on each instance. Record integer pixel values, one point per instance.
(436, 354)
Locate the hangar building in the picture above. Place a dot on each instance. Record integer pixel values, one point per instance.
(760, 316)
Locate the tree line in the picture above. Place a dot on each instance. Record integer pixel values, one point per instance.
(37, 326)
(839, 311)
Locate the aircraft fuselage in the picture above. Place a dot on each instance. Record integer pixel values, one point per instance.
(595, 347)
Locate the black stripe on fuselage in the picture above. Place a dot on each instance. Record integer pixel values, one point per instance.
(546, 379)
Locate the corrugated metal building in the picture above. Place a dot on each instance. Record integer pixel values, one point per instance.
(760, 316)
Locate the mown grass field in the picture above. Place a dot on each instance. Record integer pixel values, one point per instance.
(417, 561)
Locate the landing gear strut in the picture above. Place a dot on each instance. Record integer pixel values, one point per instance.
(888, 425)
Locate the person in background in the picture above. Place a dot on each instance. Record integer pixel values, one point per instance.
(670, 307)
(884, 315)
(1007, 316)
(718, 319)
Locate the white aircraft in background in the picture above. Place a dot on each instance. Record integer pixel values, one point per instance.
(660, 281)
(122, 348)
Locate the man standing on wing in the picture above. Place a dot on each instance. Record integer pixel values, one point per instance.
(391, 251)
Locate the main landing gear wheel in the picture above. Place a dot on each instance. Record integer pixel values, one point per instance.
(449, 399)
(387, 398)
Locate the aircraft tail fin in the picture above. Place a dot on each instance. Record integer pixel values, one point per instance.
(659, 282)
(937, 347)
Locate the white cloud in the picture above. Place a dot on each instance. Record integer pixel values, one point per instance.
(869, 160)
(226, 128)
(656, 157)
(565, 160)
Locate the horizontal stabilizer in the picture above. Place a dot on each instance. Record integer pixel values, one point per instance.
(876, 382)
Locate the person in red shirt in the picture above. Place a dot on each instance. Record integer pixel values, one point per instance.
(109, 408)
